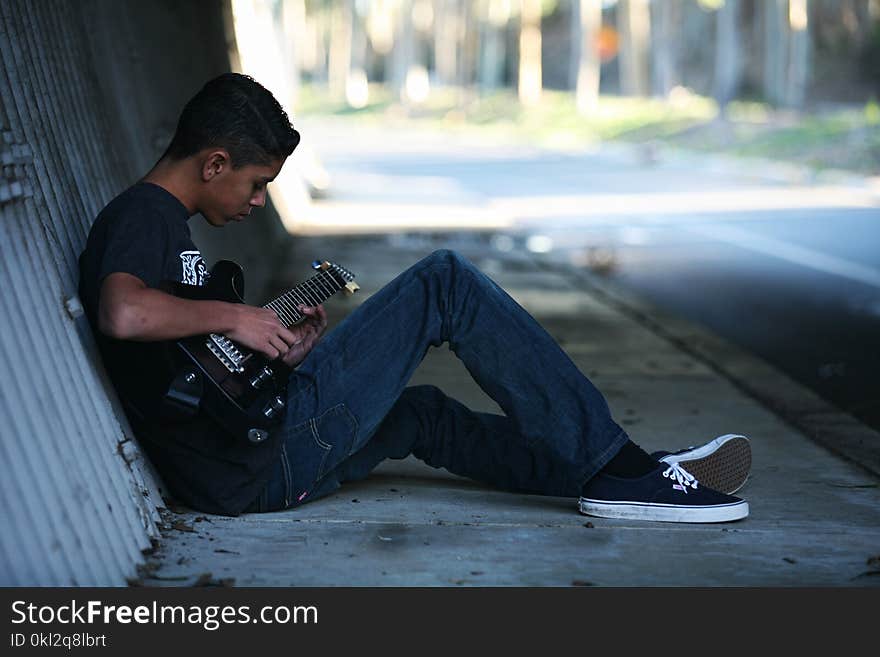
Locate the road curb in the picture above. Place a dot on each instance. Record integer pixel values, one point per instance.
(801, 408)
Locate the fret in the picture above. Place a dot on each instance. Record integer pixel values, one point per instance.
(297, 295)
(294, 309)
(312, 292)
(279, 309)
(307, 288)
(331, 283)
(328, 284)
(294, 316)
(282, 312)
(272, 307)
(324, 285)
(302, 295)
(312, 288)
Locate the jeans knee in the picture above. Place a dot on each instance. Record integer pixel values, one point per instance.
(448, 256)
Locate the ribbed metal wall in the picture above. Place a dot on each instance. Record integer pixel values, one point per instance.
(78, 502)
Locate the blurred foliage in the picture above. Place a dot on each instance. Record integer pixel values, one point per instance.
(872, 113)
(847, 138)
(555, 114)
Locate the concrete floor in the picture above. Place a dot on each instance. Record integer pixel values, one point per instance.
(815, 518)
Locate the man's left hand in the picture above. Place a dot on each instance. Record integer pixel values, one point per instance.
(308, 333)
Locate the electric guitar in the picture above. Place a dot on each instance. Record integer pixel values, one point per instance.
(241, 389)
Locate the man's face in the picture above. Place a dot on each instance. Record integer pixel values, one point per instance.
(231, 194)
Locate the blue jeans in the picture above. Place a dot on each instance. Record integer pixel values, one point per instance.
(349, 407)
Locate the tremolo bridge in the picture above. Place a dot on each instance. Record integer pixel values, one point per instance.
(226, 352)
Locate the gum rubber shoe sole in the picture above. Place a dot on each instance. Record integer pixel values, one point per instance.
(722, 464)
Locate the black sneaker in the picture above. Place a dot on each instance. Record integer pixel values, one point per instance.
(668, 494)
(722, 464)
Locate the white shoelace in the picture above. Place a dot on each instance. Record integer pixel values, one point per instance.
(682, 476)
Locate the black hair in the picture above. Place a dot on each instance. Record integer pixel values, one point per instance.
(236, 113)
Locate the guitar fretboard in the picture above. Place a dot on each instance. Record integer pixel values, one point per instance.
(312, 292)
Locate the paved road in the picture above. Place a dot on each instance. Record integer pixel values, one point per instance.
(796, 288)
(788, 270)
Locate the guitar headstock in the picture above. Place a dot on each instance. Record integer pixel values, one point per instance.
(344, 277)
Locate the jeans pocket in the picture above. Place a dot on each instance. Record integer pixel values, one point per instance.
(314, 447)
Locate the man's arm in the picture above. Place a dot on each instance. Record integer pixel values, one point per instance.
(129, 310)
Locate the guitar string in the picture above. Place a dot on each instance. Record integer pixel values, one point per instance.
(300, 296)
(321, 286)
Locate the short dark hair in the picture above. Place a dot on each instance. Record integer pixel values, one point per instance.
(234, 112)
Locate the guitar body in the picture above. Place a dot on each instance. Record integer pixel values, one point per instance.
(241, 389)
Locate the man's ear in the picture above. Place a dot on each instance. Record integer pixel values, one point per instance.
(214, 163)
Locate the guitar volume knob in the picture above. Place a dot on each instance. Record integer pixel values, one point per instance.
(262, 376)
(273, 408)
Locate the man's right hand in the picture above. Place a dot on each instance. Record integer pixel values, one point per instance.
(261, 330)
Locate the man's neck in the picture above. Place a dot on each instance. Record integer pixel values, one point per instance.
(175, 176)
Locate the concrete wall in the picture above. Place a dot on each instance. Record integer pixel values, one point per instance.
(89, 96)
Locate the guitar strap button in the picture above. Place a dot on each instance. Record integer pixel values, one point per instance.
(257, 435)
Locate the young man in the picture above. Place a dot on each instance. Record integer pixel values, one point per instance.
(348, 407)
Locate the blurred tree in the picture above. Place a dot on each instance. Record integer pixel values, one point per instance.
(317, 18)
(634, 26)
(775, 29)
(291, 22)
(494, 16)
(728, 64)
(446, 38)
(798, 53)
(666, 37)
(339, 56)
(357, 83)
(403, 50)
(585, 67)
(786, 51)
(469, 55)
(530, 82)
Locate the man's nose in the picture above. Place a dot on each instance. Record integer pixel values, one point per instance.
(259, 200)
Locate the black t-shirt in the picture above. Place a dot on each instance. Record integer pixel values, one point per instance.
(144, 232)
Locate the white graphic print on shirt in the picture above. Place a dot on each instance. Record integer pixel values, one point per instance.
(195, 272)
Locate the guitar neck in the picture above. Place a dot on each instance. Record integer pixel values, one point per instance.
(312, 292)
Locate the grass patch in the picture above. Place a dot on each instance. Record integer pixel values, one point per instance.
(846, 139)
